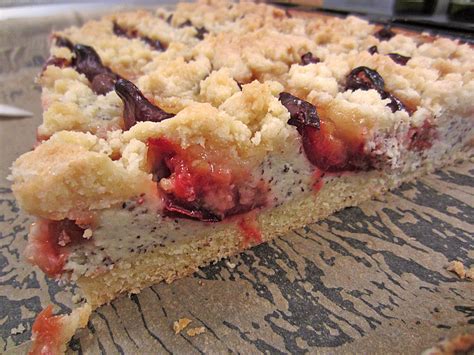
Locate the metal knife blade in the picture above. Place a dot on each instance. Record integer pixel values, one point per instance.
(8, 111)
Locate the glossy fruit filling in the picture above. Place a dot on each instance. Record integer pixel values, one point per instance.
(202, 184)
(334, 141)
(46, 330)
(328, 146)
(331, 150)
(48, 243)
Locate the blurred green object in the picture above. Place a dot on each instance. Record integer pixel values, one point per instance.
(461, 10)
(415, 7)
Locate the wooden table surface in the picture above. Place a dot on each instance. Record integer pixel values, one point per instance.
(370, 279)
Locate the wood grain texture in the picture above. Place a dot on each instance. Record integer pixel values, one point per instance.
(370, 279)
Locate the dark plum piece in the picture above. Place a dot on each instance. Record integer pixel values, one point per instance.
(188, 210)
(88, 62)
(58, 62)
(186, 23)
(308, 58)
(398, 58)
(384, 34)
(372, 50)
(365, 79)
(122, 32)
(395, 104)
(329, 151)
(119, 31)
(103, 83)
(64, 42)
(201, 31)
(136, 107)
(169, 19)
(302, 113)
(154, 43)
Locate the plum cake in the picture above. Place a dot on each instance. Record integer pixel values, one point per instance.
(171, 139)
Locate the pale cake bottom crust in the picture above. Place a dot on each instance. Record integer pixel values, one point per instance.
(173, 262)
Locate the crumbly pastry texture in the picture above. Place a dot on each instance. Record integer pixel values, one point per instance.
(171, 139)
(198, 80)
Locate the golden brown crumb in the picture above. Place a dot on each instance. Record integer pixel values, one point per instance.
(77, 167)
(18, 330)
(180, 324)
(195, 331)
(87, 233)
(458, 268)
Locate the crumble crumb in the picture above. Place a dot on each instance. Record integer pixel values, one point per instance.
(195, 331)
(18, 330)
(230, 265)
(180, 324)
(87, 233)
(458, 268)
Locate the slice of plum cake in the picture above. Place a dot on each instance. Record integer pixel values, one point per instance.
(173, 139)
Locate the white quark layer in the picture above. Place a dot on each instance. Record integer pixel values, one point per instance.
(454, 134)
(140, 228)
